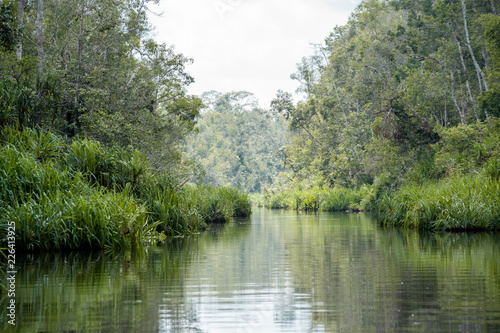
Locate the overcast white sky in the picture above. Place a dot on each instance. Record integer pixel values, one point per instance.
(251, 45)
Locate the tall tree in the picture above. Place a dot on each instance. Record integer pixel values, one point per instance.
(100, 74)
(395, 73)
(39, 38)
(20, 20)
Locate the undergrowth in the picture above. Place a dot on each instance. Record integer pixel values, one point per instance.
(82, 195)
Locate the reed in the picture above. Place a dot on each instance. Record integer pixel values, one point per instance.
(466, 203)
(218, 204)
(344, 199)
(84, 195)
(171, 208)
(314, 199)
(92, 160)
(56, 209)
(43, 145)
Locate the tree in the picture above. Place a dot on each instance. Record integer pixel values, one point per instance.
(381, 86)
(490, 100)
(238, 144)
(8, 34)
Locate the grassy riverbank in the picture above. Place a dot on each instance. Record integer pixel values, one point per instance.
(452, 185)
(464, 202)
(469, 202)
(83, 195)
(315, 199)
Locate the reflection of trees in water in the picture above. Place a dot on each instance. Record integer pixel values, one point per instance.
(367, 278)
(98, 291)
(331, 272)
(124, 292)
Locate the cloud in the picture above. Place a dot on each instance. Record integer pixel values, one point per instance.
(251, 45)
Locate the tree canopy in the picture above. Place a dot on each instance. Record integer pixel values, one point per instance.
(90, 68)
(387, 87)
(238, 143)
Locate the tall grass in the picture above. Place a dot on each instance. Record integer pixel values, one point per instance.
(168, 205)
(331, 200)
(342, 199)
(82, 195)
(218, 204)
(467, 203)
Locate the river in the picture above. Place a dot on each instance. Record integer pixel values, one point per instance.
(278, 271)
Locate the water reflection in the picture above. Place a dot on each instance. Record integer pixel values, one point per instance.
(278, 272)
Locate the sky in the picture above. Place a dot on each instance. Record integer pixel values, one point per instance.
(246, 45)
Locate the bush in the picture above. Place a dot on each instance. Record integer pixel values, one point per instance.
(314, 199)
(218, 204)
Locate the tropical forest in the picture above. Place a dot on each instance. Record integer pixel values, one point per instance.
(128, 193)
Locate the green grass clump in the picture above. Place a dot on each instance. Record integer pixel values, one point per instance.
(314, 199)
(469, 202)
(83, 195)
(56, 209)
(64, 221)
(218, 204)
(172, 207)
(343, 199)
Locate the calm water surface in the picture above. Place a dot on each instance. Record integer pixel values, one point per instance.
(277, 272)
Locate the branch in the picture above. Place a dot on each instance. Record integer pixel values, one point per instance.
(373, 69)
(181, 185)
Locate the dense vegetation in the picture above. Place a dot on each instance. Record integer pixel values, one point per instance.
(402, 101)
(400, 116)
(90, 67)
(92, 115)
(238, 144)
(82, 195)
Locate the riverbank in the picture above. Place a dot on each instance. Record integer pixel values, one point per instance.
(315, 199)
(82, 195)
(465, 202)
(470, 202)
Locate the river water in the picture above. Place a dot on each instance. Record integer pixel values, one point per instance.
(277, 272)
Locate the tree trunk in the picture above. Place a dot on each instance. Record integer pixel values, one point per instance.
(480, 73)
(460, 112)
(20, 17)
(464, 67)
(39, 37)
(493, 8)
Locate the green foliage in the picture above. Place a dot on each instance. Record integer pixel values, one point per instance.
(103, 77)
(490, 100)
(467, 148)
(55, 209)
(17, 102)
(402, 96)
(8, 33)
(467, 203)
(384, 88)
(83, 195)
(218, 204)
(313, 199)
(175, 210)
(71, 221)
(342, 199)
(238, 144)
